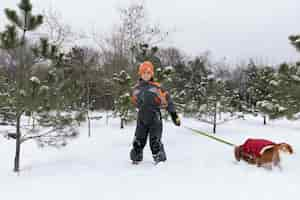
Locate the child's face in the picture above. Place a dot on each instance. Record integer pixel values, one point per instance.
(146, 76)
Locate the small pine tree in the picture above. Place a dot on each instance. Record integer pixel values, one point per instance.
(264, 92)
(122, 105)
(47, 99)
(295, 41)
(251, 74)
(217, 101)
(82, 63)
(197, 75)
(179, 80)
(287, 93)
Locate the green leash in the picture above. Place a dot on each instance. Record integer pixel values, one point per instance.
(210, 136)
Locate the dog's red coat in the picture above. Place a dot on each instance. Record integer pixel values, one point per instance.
(251, 152)
(253, 147)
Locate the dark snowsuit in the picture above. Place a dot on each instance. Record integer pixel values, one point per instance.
(149, 98)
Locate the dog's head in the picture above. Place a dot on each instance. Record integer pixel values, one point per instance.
(286, 148)
(237, 153)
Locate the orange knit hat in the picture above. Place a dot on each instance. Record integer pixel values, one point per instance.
(146, 66)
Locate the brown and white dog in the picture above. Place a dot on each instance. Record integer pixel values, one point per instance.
(261, 152)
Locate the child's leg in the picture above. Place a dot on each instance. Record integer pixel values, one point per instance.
(156, 145)
(139, 142)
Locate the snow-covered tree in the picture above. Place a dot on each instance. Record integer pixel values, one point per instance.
(217, 101)
(236, 86)
(251, 73)
(264, 87)
(196, 85)
(144, 52)
(295, 41)
(83, 63)
(287, 93)
(122, 105)
(180, 78)
(47, 99)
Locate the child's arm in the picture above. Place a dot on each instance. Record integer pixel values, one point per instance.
(134, 93)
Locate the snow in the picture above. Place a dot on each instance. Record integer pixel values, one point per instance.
(197, 167)
(273, 82)
(211, 76)
(44, 88)
(35, 80)
(169, 69)
(22, 92)
(295, 78)
(265, 104)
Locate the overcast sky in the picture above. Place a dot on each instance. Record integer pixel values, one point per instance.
(235, 29)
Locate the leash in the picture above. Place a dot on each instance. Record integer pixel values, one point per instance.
(210, 136)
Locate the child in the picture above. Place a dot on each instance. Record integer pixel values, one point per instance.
(149, 97)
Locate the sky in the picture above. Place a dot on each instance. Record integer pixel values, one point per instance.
(232, 30)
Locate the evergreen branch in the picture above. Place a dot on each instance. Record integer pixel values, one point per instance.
(39, 136)
(8, 38)
(34, 22)
(25, 5)
(13, 17)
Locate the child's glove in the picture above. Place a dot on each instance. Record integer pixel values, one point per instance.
(175, 118)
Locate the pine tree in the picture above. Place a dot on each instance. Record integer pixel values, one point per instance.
(264, 86)
(295, 41)
(206, 92)
(179, 91)
(287, 93)
(251, 98)
(10, 40)
(122, 105)
(237, 86)
(47, 99)
(82, 64)
(144, 52)
(216, 102)
(197, 81)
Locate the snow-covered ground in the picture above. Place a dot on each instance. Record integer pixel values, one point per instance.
(197, 167)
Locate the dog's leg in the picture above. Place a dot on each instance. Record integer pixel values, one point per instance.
(276, 159)
(279, 167)
(258, 162)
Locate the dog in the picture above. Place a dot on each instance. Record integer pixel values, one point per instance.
(261, 152)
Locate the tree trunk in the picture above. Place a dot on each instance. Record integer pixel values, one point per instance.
(215, 127)
(122, 123)
(88, 109)
(21, 77)
(106, 117)
(215, 118)
(89, 125)
(18, 145)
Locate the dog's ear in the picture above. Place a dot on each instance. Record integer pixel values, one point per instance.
(289, 148)
(237, 153)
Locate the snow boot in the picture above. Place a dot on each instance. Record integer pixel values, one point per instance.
(135, 162)
(160, 156)
(136, 156)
